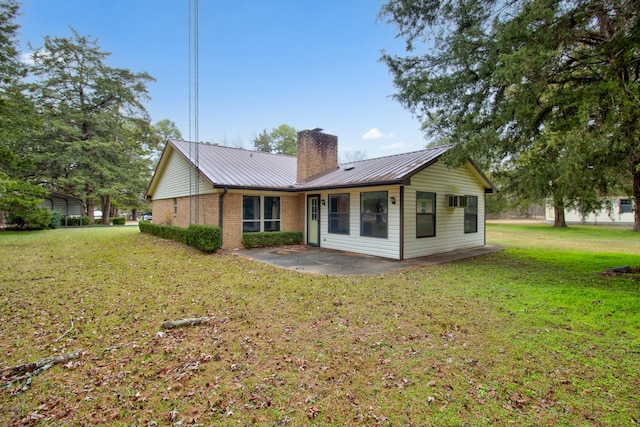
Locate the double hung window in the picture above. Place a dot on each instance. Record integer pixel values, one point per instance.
(425, 214)
(471, 215)
(339, 213)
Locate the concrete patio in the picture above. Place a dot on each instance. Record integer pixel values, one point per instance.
(309, 259)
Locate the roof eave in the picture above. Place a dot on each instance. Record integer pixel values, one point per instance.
(352, 185)
(490, 189)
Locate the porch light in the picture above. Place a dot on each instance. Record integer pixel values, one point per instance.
(323, 202)
(393, 200)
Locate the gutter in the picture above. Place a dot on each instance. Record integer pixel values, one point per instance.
(221, 214)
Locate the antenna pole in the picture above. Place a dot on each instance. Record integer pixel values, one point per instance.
(194, 139)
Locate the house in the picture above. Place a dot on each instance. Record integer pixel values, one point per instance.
(402, 206)
(617, 211)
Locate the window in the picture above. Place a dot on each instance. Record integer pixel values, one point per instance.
(339, 213)
(175, 206)
(255, 218)
(626, 206)
(425, 214)
(471, 215)
(250, 214)
(271, 213)
(373, 214)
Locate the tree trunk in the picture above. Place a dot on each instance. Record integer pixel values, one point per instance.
(134, 214)
(558, 210)
(105, 201)
(636, 197)
(90, 208)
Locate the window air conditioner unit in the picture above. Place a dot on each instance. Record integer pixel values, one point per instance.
(454, 201)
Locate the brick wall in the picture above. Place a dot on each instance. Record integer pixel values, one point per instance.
(292, 214)
(163, 210)
(317, 153)
(232, 227)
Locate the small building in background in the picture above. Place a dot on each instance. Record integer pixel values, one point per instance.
(620, 211)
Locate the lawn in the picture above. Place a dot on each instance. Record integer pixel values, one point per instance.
(532, 335)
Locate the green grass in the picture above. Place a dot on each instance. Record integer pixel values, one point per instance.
(532, 335)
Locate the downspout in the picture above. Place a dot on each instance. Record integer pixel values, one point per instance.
(221, 215)
(484, 219)
(401, 222)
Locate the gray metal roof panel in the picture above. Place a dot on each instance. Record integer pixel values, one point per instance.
(237, 167)
(382, 170)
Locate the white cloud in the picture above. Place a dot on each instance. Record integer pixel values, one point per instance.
(27, 58)
(396, 146)
(374, 133)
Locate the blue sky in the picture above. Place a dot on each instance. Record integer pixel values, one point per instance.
(262, 63)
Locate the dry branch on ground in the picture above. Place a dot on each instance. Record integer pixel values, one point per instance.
(170, 324)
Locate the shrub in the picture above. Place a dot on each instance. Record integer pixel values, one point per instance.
(34, 219)
(145, 226)
(202, 237)
(119, 220)
(273, 238)
(56, 220)
(75, 221)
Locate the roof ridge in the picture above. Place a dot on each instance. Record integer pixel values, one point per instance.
(217, 145)
(398, 154)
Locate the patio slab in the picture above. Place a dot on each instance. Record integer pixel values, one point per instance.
(309, 259)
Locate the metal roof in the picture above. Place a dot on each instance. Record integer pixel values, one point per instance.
(381, 170)
(237, 167)
(241, 168)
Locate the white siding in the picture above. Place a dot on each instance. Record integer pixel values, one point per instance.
(601, 217)
(174, 179)
(450, 235)
(383, 247)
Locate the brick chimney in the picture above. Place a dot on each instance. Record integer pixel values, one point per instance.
(317, 153)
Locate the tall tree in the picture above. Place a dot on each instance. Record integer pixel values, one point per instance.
(164, 129)
(18, 122)
(11, 68)
(95, 120)
(281, 140)
(528, 83)
(167, 129)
